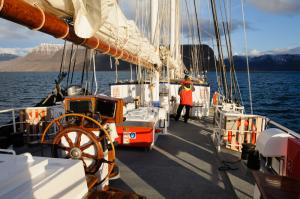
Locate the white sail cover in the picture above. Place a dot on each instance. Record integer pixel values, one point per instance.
(105, 20)
(272, 143)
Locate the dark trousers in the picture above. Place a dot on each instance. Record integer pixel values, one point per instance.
(187, 112)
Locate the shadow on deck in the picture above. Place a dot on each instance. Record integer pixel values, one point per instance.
(182, 164)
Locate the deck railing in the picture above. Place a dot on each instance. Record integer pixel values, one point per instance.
(234, 128)
(27, 121)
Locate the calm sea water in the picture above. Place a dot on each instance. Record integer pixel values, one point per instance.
(275, 94)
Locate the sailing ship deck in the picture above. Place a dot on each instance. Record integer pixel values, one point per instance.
(183, 164)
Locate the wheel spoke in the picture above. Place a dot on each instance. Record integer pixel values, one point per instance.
(82, 122)
(101, 138)
(84, 147)
(60, 126)
(87, 155)
(63, 147)
(69, 140)
(78, 140)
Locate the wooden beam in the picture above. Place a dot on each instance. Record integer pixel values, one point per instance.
(35, 18)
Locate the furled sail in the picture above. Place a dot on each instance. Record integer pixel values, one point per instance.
(104, 21)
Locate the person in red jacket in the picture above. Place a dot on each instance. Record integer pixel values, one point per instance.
(186, 98)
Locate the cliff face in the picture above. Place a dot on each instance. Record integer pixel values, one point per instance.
(47, 57)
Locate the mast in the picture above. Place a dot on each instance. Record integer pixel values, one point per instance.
(174, 37)
(155, 42)
(219, 46)
(154, 24)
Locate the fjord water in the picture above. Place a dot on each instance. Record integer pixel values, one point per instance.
(275, 94)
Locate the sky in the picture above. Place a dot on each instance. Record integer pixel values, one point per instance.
(271, 25)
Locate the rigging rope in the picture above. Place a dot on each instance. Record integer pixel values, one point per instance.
(228, 46)
(199, 37)
(220, 50)
(84, 66)
(193, 49)
(95, 77)
(237, 91)
(116, 67)
(88, 68)
(63, 58)
(214, 49)
(246, 54)
(70, 62)
(74, 63)
(130, 72)
(110, 62)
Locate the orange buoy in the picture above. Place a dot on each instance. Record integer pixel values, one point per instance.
(215, 98)
(253, 134)
(246, 123)
(229, 136)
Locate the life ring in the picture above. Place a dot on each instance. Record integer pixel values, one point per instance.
(215, 98)
(253, 134)
(229, 136)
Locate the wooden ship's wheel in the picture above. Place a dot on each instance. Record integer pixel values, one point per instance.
(82, 138)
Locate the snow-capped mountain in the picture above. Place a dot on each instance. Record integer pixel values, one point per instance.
(15, 51)
(277, 51)
(280, 62)
(46, 49)
(284, 51)
(45, 57)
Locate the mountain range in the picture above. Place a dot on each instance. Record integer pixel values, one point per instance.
(279, 62)
(48, 57)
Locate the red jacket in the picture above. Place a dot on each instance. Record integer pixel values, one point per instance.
(186, 95)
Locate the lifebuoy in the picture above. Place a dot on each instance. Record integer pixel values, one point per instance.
(246, 124)
(229, 136)
(215, 98)
(253, 134)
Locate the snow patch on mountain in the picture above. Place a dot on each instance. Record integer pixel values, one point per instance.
(276, 51)
(15, 51)
(46, 49)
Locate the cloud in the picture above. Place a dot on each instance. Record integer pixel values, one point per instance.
(15, 51)
(133, 8)
(277, 6)
(255, 52)
(9, 30)
(275, 51)
(207, 29)
(13, 35)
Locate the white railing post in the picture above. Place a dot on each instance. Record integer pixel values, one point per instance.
(14, 120)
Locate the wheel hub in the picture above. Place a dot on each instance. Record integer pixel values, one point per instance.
(75, 153)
